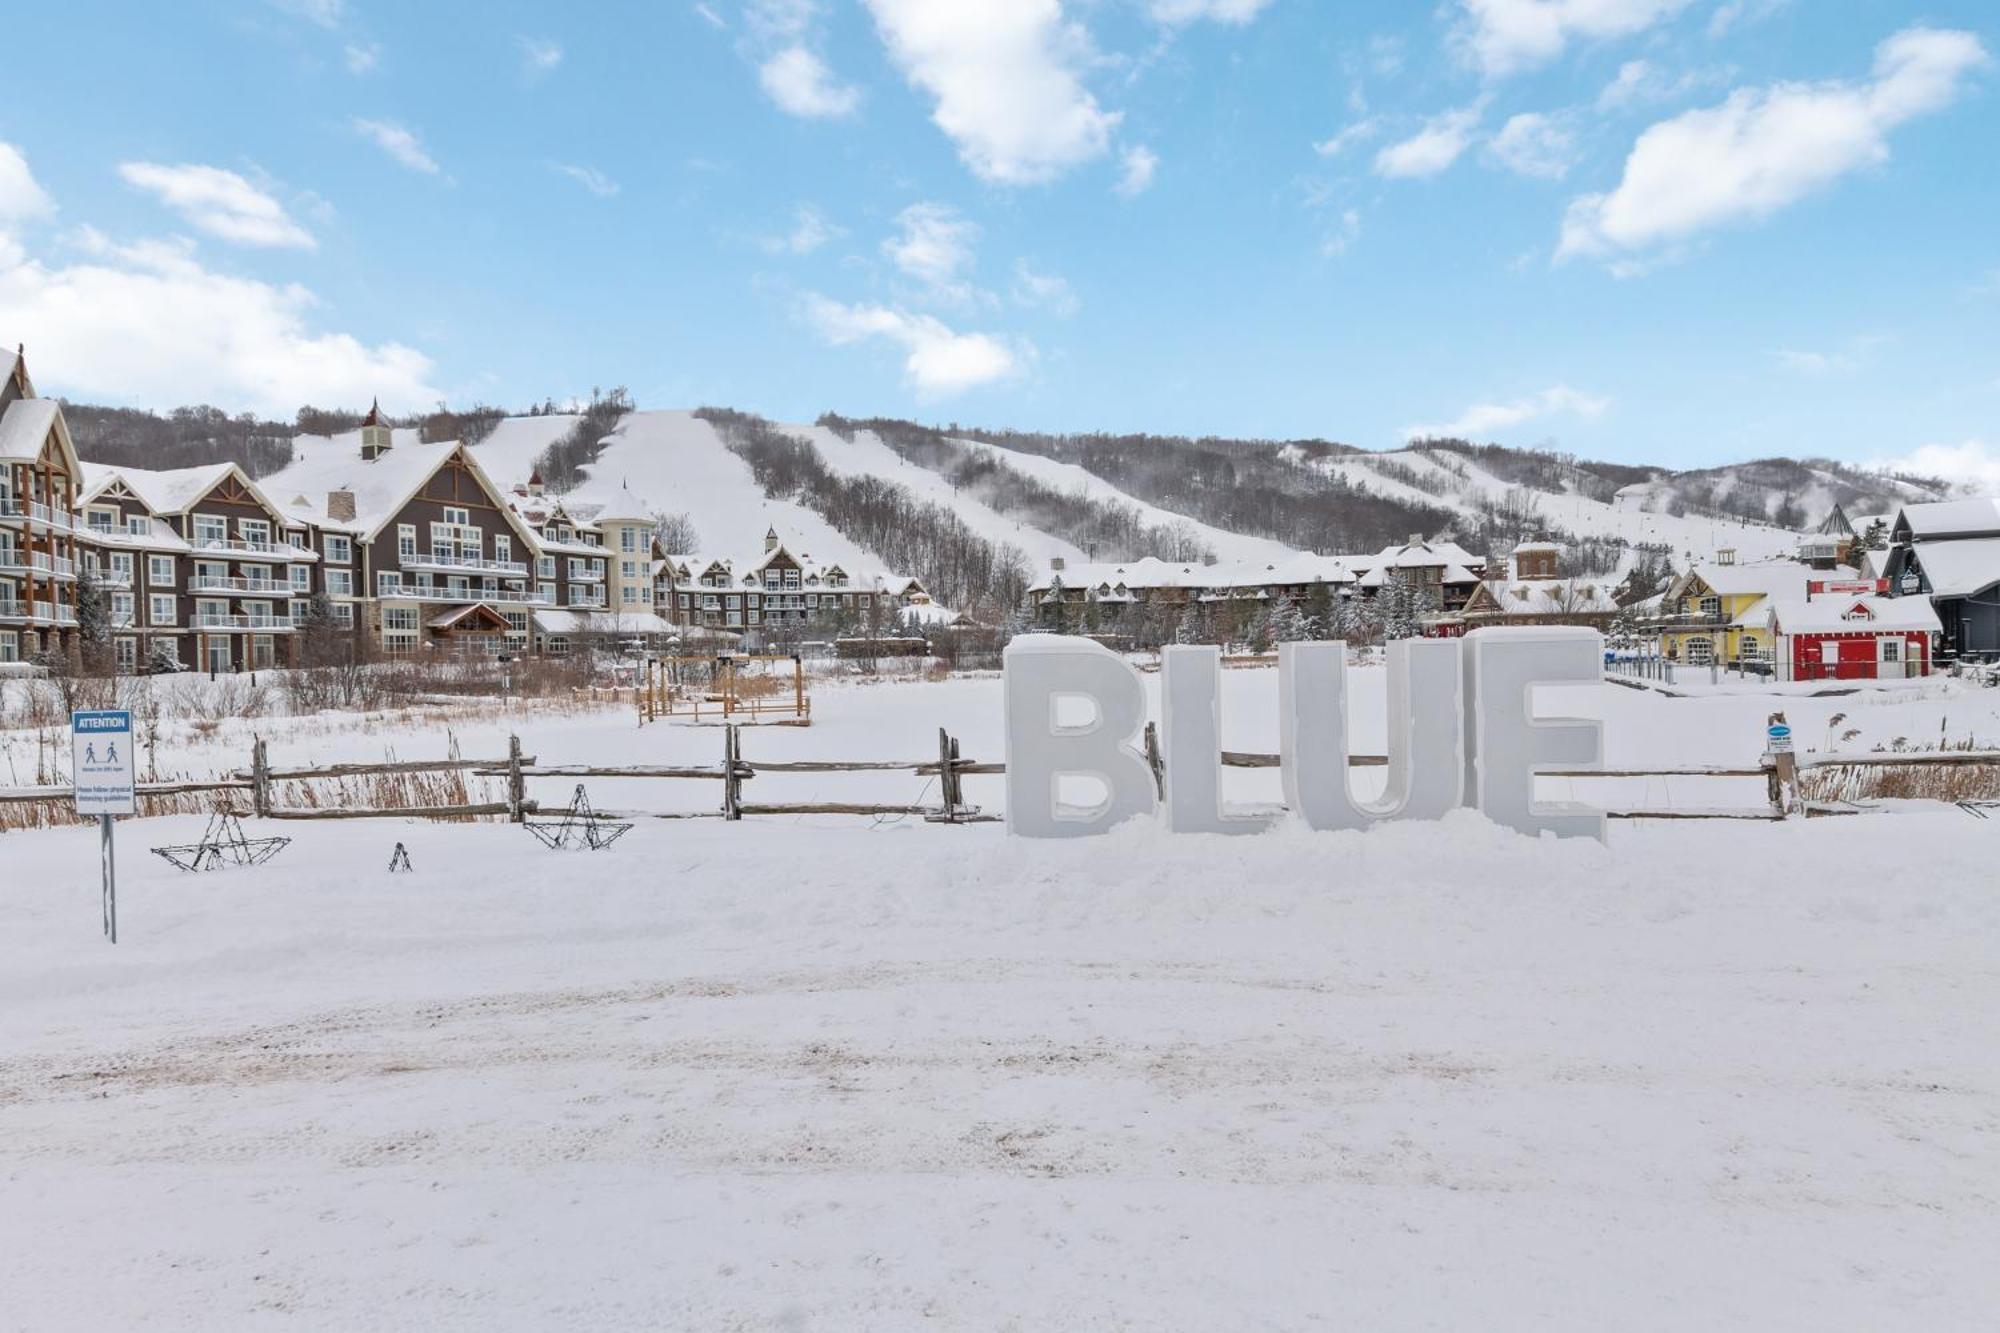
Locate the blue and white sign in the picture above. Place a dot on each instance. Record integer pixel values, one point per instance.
(1778, 739)
(101, 761)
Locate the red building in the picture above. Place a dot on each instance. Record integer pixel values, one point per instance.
(1843, 636)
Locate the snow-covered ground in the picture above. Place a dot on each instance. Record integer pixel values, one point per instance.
(855, 1074)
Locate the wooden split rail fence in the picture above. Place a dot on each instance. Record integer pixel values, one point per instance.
(949, 770)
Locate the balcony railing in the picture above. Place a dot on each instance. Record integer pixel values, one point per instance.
(243, 624)
(237, 546)
(1687, 620)
(53, 613)
(512, 597)
(34, 511)
(244, 587)
(41, 562)
(474, 563)
(586, 576)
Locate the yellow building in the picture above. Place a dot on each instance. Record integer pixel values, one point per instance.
(1721, 612)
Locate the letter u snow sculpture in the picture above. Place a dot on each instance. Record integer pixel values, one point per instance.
(1425, 734)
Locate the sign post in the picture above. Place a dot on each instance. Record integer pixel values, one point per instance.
(101, 765)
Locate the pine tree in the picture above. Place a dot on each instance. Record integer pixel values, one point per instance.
(93, 621)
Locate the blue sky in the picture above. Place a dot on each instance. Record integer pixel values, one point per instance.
(1677, 231)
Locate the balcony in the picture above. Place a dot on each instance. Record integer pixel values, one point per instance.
(243, 587)
(586, 576)
(19, 610)
(416, 593)
(38, 562)
(209, 623)
(17, 510)
(513, 569)
(249, 550)
(1686, 620)
(584, 602)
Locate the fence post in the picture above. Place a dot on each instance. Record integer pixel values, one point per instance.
(1155, 762)
(732, 774)
(948, 775)
(517, 786)
(260, 779)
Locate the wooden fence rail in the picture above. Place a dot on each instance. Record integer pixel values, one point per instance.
(949, 768)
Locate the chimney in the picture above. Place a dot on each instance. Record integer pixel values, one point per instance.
(535, 482)
(1055, 564)
(770, 539)
(340, 506)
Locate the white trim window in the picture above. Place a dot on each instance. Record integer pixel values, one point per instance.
(406, 541)
(340, 583)
(388, 583)
(301, 578)
(209, 528)
(10, 646)
(1700, 652)
(160, 609)
(160, 571)
(339, 549)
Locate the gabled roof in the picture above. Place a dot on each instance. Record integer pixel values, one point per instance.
(1959, 568)
(26, 424)
(1543, 597)
(1837, 615)
(381, 486)
(1951, 518)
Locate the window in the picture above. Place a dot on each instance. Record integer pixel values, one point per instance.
(457, 516)
(343, 614)
(340, 583)
(298, 610)
(139, 525)
(406, 540)
(102, 520)
(1709, 606)
(340, 550)
(121, 566)
(301, 578)
(546, 592)
(628, 594)
(1748, 649)
(10, 646)
(388, 583)
(503, 547)
(160, 610)
(126, 652)
(629, 568)
(1700, 652)
(121, 608)
(545, 566)
(628, 539)
(255, 530)
(160, 571)
(210, 529)
(400, 619)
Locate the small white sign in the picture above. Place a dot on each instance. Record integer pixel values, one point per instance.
(101, 761)
(1777, 739)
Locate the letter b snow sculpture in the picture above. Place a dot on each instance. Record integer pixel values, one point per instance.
(1043, 670)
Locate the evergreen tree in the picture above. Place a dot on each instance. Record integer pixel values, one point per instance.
(93, 621)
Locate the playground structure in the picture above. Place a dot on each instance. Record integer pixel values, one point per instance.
(222, 843)
(727, 688)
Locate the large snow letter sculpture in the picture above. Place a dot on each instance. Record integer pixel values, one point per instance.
(1041, 672)
(1191, 716)
(1425, 735)
(1508, 742)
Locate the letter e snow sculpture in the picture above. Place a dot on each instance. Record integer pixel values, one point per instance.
(1426, 765)
(1041, 671)
(1191, 714)
(1508, 742)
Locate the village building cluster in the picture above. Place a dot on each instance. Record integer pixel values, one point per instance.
(389, 549)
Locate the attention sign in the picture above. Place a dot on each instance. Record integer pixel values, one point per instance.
(101, 760)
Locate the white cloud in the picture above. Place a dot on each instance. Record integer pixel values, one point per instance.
(933, 244)
(1973, 465)
(326, 13)
(538, 56)
(810, 230)
(1481, 420)
(398, 143)
(937, 360)
(1506, 36)
(1741, 13)
(802, 85)
(1434, 147)
(590, 178)
(1178, 12)
(362, 57)
(1005, 76)
(1359, 132)
(1346, 230)
(219, 202)
(1764, 149)
(1535, 144)
(1044, 291)
(22, 199)
(1141, 164)
(147, 323)
(708, 15)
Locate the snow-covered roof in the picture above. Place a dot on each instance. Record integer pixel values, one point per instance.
(1548, 597)
(1770, 578)
(8, 361)
(1152, 572)
(1960, 568)
(1953, 518)
(173, 490)
(1852, 614)
(603, 622)
(626, 505)
(1459, 564)
(24, 426)
(380, 486)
